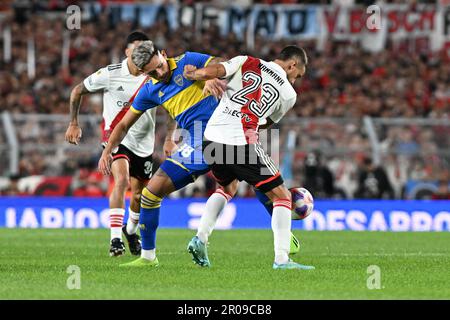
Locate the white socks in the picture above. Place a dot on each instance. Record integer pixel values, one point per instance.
(133, 221)
(214, 206)
(148, 254)
(116, 222)
(281, 227)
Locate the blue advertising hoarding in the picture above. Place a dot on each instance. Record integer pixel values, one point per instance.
(358, 215)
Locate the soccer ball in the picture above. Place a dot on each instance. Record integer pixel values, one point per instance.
(302, 203)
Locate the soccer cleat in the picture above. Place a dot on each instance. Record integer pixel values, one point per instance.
(295, 245)
(291, 265)
(117, 248)
(134, 242)
(199, 252)
(140, 262)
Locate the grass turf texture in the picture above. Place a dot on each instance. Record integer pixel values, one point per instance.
(33, 265)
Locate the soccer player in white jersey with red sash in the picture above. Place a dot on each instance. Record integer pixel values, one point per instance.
(257, 91)
(132, 163)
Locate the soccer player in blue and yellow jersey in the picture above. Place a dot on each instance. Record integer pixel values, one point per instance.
(189, 103)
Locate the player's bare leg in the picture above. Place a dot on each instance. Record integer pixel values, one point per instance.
(159, 186)
(119, 170)
(281, 227)
(130, 228)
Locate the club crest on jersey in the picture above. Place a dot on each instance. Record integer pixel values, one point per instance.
(160, 93)
(179, 80)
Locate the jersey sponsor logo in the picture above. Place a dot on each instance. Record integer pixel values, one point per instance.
(122, 104)
(179, 80)
(237, 114)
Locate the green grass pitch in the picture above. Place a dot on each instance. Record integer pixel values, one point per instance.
(33, 265)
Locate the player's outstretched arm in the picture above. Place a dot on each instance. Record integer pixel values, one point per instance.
(116, 137)
(209, 72)
(73, 132)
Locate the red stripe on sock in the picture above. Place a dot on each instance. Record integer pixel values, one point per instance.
(282, 205)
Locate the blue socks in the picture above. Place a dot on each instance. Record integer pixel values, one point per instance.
(264, 200)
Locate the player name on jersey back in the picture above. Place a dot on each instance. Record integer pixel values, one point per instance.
(256, 90)
(119, 88)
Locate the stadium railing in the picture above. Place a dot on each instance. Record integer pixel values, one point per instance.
(417, 148)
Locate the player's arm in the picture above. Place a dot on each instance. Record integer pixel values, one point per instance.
(73, 132)
(116, 137)
(267, 125)
(169, 143)
(216, 70)
(97, 81)
(209, 72)
(215, 87)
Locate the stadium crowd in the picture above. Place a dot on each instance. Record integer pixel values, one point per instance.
(342, 81)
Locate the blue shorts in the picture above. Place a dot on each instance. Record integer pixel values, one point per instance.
(186, 165)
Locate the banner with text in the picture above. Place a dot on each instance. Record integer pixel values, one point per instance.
(427, 24)
(358, 215)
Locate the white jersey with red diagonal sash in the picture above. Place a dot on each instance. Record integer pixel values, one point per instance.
(256, 90)
(119, 88)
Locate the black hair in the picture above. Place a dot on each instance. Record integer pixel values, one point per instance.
(136, 36)
(294, 52)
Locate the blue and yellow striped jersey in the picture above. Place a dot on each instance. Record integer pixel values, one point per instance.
(182, 98)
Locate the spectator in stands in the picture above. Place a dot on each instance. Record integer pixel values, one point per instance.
(443, 191)
(13, 187)
(373, 182)
(318, 178)
(342, 81)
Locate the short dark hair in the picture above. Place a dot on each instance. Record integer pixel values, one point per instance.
(136, 36)
(143, 53)
(294, 52)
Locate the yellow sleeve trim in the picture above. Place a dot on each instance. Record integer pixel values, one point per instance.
(135, 110)
(208, 61)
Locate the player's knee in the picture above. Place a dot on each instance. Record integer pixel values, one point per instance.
(150, 200)
(231, 189)
(280, 193)
(136, 197)
(121, 183)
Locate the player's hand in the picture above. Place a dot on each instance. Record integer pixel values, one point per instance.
(215, 87)
(188, 72)
(104, 164)
(73, 134)
(169, 147)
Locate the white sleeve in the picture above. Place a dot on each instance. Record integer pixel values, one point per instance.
(233, 65)
(97, 81)
(283, 108)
